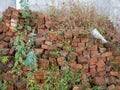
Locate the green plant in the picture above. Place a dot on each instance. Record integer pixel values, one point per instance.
(1, 18)
(31, 59)
(24, 4)
(97, 88)
(32, 85)
(65, 82)
(4, 59)
(3, 86)
(20, 50)
(69, 48)
(102, 30)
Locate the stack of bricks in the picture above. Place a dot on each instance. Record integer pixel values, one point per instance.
(84, 54)
(61, 47)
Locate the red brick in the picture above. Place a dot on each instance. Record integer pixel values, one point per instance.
(5, 52)
(117, 58)
(48, 42)
(2, 36)
(102, 74)
(100, 69)
(86, 68)
(10, 34)
(73, 56)
(107, 54)
(93, 69)
(10, 87)
(82, 60)
(52, 47)
(75, 33)
(44, 46)
(3, 44)
(99, 80)
(38, 43)
(81, 45)
(53, 61)
(76, 40)
(7, 39)
(93, 48)
(61, 61)
(93, 61)
(52, 36)
(12, 50)
(84, 40)
(74, 44)
(100, 63)
(38, 50)
(44, 64)
(64, 53)
(60, 45)
(94, 53)
(113, 73)
(41, 39)
(41, 31)
(68, 35)
(75, 67)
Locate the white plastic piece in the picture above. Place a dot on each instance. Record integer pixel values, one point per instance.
(97, 35)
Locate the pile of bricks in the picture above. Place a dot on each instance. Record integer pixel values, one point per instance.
(98, 62)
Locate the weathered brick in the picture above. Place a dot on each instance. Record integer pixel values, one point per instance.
(43, 63)
(106, 54)
(38, 50)
(61, 61)
(68, 35)
(48, 42)
(100, 63)
(99, 80)
(44, 46)
(82, 60)
(113, 73)
(93, 61)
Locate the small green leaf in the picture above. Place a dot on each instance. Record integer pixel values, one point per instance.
(16, 55)
(28, 28)
(20, 59)
(19, 27)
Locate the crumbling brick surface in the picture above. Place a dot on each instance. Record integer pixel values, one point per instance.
(83, 55)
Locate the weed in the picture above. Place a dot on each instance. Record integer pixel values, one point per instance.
(97, 88)
(69, 48)
(102, 30)
(3, 86)
(31, 59)
(4, 59)
(32, 85)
